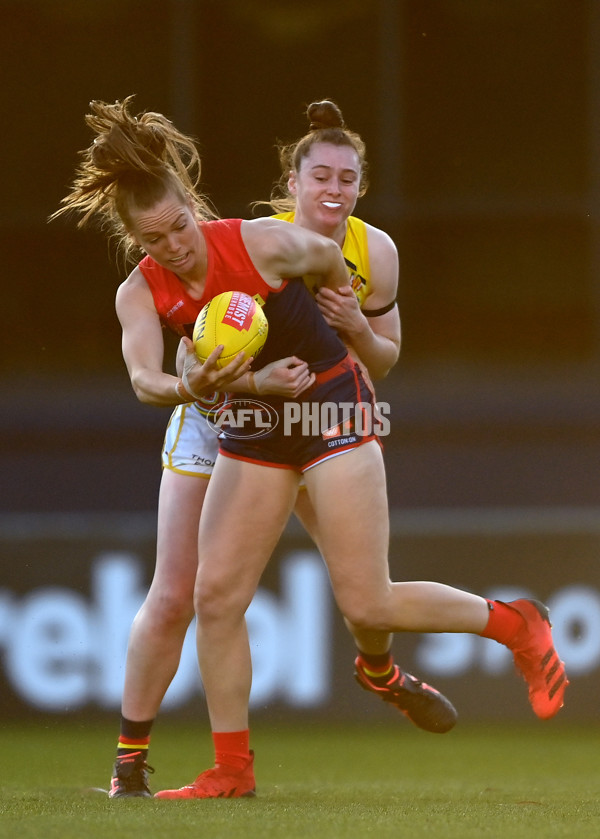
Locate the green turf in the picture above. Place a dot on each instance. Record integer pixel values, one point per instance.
(314, 782)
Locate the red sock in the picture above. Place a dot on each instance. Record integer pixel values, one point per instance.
(503, 622)
(232, 748)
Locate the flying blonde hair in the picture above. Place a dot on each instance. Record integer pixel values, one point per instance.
(132, 163)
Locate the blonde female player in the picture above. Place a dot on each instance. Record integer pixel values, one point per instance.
(254, 488)
(323, 176)
(191, 445)
(144, 159)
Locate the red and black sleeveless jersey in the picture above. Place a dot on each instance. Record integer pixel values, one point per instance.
(296, 326)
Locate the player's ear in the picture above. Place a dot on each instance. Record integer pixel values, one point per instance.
(292, 183)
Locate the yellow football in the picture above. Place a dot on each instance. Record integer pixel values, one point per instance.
(233, 319)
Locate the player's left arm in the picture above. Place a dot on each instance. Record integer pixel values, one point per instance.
(374, 337)
(285, 377)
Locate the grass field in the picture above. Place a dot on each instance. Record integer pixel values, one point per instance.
(314, 782)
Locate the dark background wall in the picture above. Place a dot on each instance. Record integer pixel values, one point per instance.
(481, 119)
(481, 123)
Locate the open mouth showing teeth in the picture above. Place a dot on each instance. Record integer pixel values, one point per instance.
(331, 204)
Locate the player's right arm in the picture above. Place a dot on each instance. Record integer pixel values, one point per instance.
(143, 351)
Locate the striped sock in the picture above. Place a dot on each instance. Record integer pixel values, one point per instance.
(378, 667)
(134, 737)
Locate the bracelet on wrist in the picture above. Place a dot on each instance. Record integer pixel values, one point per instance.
(189, 390)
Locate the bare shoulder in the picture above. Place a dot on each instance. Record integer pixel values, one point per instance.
(268, 236)
(280, 249)
(135, 280)
(133, 290)
(273, 242)
(381, 243)
(384, 267)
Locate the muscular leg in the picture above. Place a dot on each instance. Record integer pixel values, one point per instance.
(159, 629)
(246, 509)
(354, 540)
(368, 641)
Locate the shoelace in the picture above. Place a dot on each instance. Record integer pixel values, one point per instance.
(136, 777)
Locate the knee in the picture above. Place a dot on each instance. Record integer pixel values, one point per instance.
(365, 613)
(214, 602)
(170, 609)
(362, 619)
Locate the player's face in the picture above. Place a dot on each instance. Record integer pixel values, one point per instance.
(326, 187)
(168, 232)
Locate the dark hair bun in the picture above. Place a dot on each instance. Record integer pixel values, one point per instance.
(325, 114)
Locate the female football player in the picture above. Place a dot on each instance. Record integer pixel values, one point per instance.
(139, 186)
(190, 447)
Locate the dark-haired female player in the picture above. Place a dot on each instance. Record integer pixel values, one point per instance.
(323, 174)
